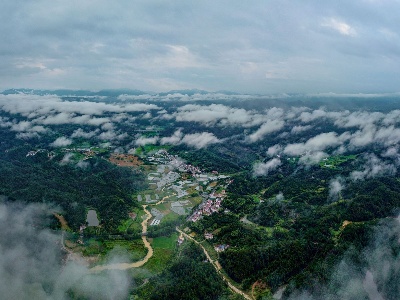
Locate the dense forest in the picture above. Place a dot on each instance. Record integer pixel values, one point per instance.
(188, 277)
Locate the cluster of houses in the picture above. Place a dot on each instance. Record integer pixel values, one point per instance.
(221, 248)
(50, 154)
(207, 208)
(211, 206)
(81, 229)
(162, 156)
(33, 153)
(208, 236)
(88, 152)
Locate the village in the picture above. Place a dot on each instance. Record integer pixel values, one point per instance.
(178, 189)
(183, 181)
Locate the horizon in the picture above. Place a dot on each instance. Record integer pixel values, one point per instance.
(195, 91)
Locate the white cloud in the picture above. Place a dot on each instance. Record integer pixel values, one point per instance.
(339, 26)
(313, 158)
(307, 117)
(175, 139)
(111, 135)
(279, 197)
(373, 167)
(336, 185)
(300, 129)
(267, 128)
(21, 126)
(82, 164)
(66, 159)
(317, 143)
(274, 150)
(359, 119)
(26, 135)
(80, 133)
(61, 142)
(142, 141)
(200, 140)
(216, 114)
(260, 169)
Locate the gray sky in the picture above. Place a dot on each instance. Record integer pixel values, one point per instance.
(246, 46)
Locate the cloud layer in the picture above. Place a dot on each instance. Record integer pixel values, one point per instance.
(274, 46)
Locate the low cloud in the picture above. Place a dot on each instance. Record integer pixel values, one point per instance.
(279, 197)
(80, 133)
(373, 167)
(274, 150)
(200, 140)
(52, 110)
(219, 114)
(174, 139)
(61, 142)
(34, 106)
(261, 169)
(313, 158)
(31, 264)
(307, 117)
(26, 135)
(336, 185)
(300, 129)
(142, 141)
(269, 127)
(196, 140)
(317, 143)
(112, 135)
(66, 159)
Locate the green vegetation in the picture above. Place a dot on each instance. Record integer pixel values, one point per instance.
(143, 150)
(131, 250)
(188, 277)
(334, 162)
(164, 248)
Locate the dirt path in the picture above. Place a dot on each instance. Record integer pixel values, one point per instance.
(217, 267)
(63, 222)
(163, 199)
(137, 264)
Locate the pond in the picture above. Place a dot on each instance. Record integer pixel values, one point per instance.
(92, 218)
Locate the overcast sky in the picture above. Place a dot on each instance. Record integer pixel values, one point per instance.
(246, 46)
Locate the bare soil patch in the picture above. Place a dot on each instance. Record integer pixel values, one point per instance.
(125, 160)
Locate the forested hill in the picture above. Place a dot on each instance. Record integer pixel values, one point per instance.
(71, 190)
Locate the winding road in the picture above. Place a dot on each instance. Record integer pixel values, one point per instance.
(137, 264)
(217, 267)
